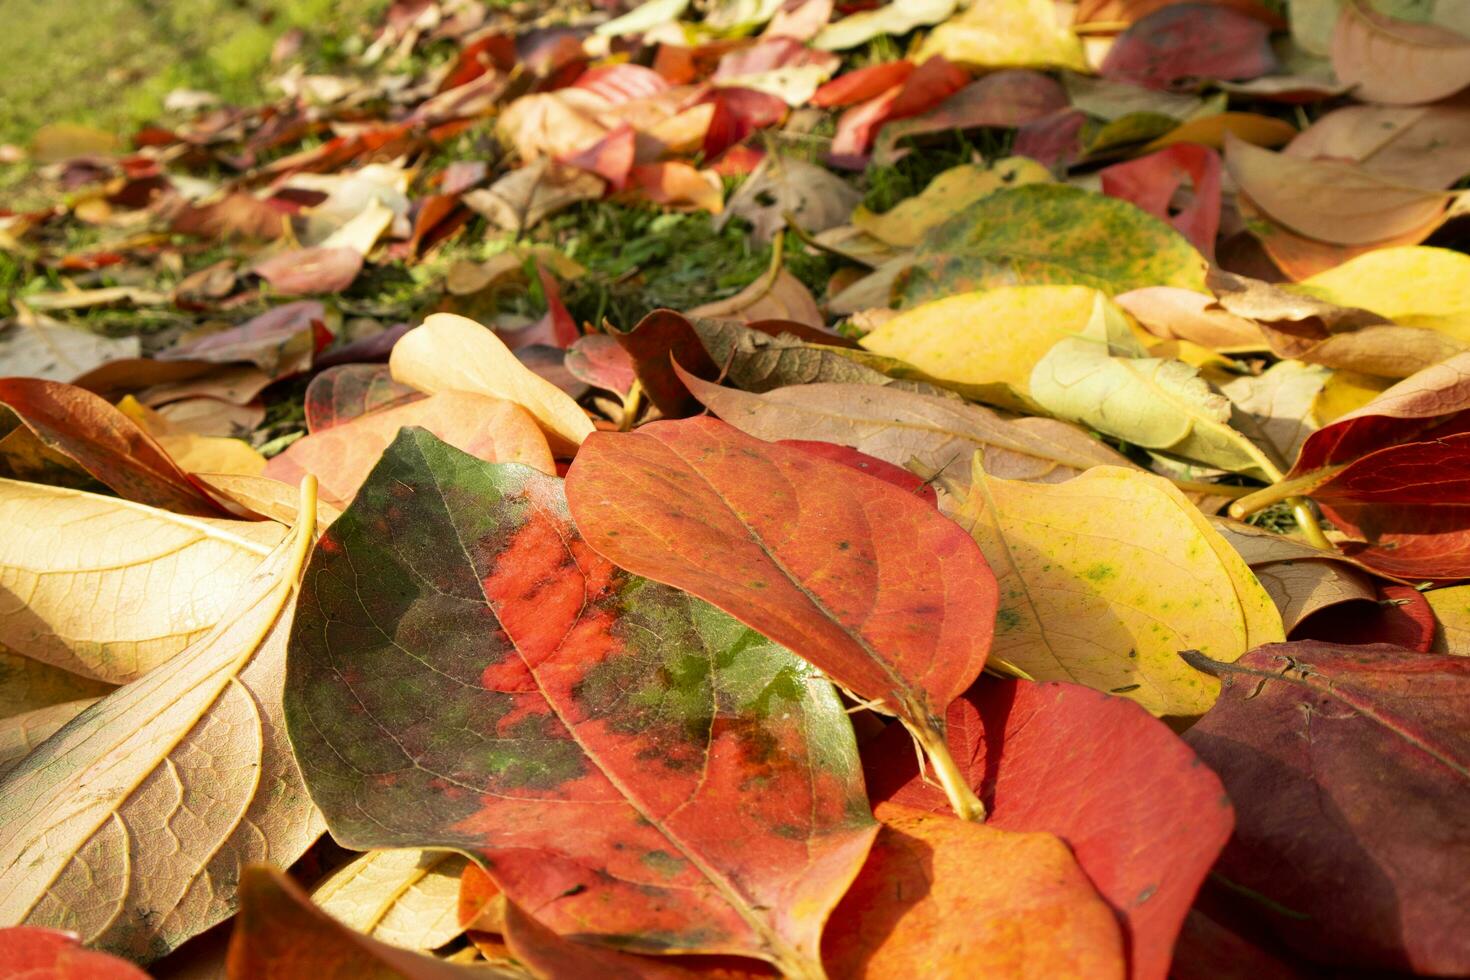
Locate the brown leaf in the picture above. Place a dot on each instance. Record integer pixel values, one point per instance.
(1397, 62)
(311, 270)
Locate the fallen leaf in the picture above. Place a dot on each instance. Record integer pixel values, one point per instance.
(906, 223)
(1315, 743)
(280, 935)
(1301, 580)
(1397, 62)
(987, 343)
(105, 443)
(21, 734)
(890, 19)
(904, 427)
(345, 392)
(759, 360)
(658, 341)
(1211, 131)
(195, 453)
(451, 353)
(1280, 399)
(404, 898)
(172, 783)
(643, 17)
(50, 954)
(918, 906)
(524, 197)
(1007, 98)
(1415, 286)
(341, 458)
(1081, 602)
(1151, 182)
(776, 295)
(1131, 11)
(279, 342)
(548, 681)
(862, 84)
(1426, 146)
(310, 270)
(678, 185)
(1160, 404)
(782, 186)
(600, 361)
(1183, 314)
(1397, 615)
(1452, 617)
(747, 538)
(37, 346)
(1334, 202)
(1006, 34)
(1054, 757)
(1183, 44)
(1052, 233)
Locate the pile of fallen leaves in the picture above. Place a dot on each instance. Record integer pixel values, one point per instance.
(879, 617)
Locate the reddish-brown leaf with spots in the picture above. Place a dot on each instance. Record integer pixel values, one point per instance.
(871, 584)
(1143, 816)
(1350, 772)
(632, 764)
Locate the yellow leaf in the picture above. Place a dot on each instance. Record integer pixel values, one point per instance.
(1161, 405)
(987, 342)
(21, 733)
(193, 452)
(1452, 611)
(110, 589)
(405, 898)
(948, 193)
(1415, 285)
(452, 353)
(1088, 596)
(1260, 130)
(131, 824)
(26, 685)
(1006, 34)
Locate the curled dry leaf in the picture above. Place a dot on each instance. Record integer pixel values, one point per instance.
(106, 443)
(1183, 314)
(786, 542)
(1081, 601)
(50, 954)
(775, 356)
(1397, 62)
(918, 906)
(490, 619)
(452, 353)
(522, 198)
(903, 427)
(491, 429)
(657, 342)
(110, 589)
(405, 898)
(1131, 800)
(131, 824)
(1334, 202)
(1301, 580)
(1316, 743)
(280, 935)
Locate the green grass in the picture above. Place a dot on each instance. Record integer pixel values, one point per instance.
(110, 63)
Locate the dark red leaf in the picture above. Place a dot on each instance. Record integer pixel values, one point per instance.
(610, 158)
(1054, 141)
(655, 343)
(1349, 767)
(1184, 44)
(280, 341)
(1007, 99)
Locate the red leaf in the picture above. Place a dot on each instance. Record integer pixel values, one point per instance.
(105, 443)
(1401, 617)
(886, 596)
(1181, 45)
(1054, 141)
(599, 360)
(1010, 98)
(771, 54)
(622, 83)
(341, 394)
(237, 214)
(1132, 801)
(655, 343)
(871, 465)
(559, 323)
(927, 86)
(1151, 181)
(738, 113)
(863, 84)
(610, 158)
(33, 953)
(940, 897)
(311, 270)
(1348, 767)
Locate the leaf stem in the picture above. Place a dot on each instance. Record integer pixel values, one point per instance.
(631, 406)
(962, 798)
(1281, 490)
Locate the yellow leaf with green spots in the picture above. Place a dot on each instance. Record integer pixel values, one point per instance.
(986, 343)
(1051, 233)
(1104, 579)
(905, 224)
